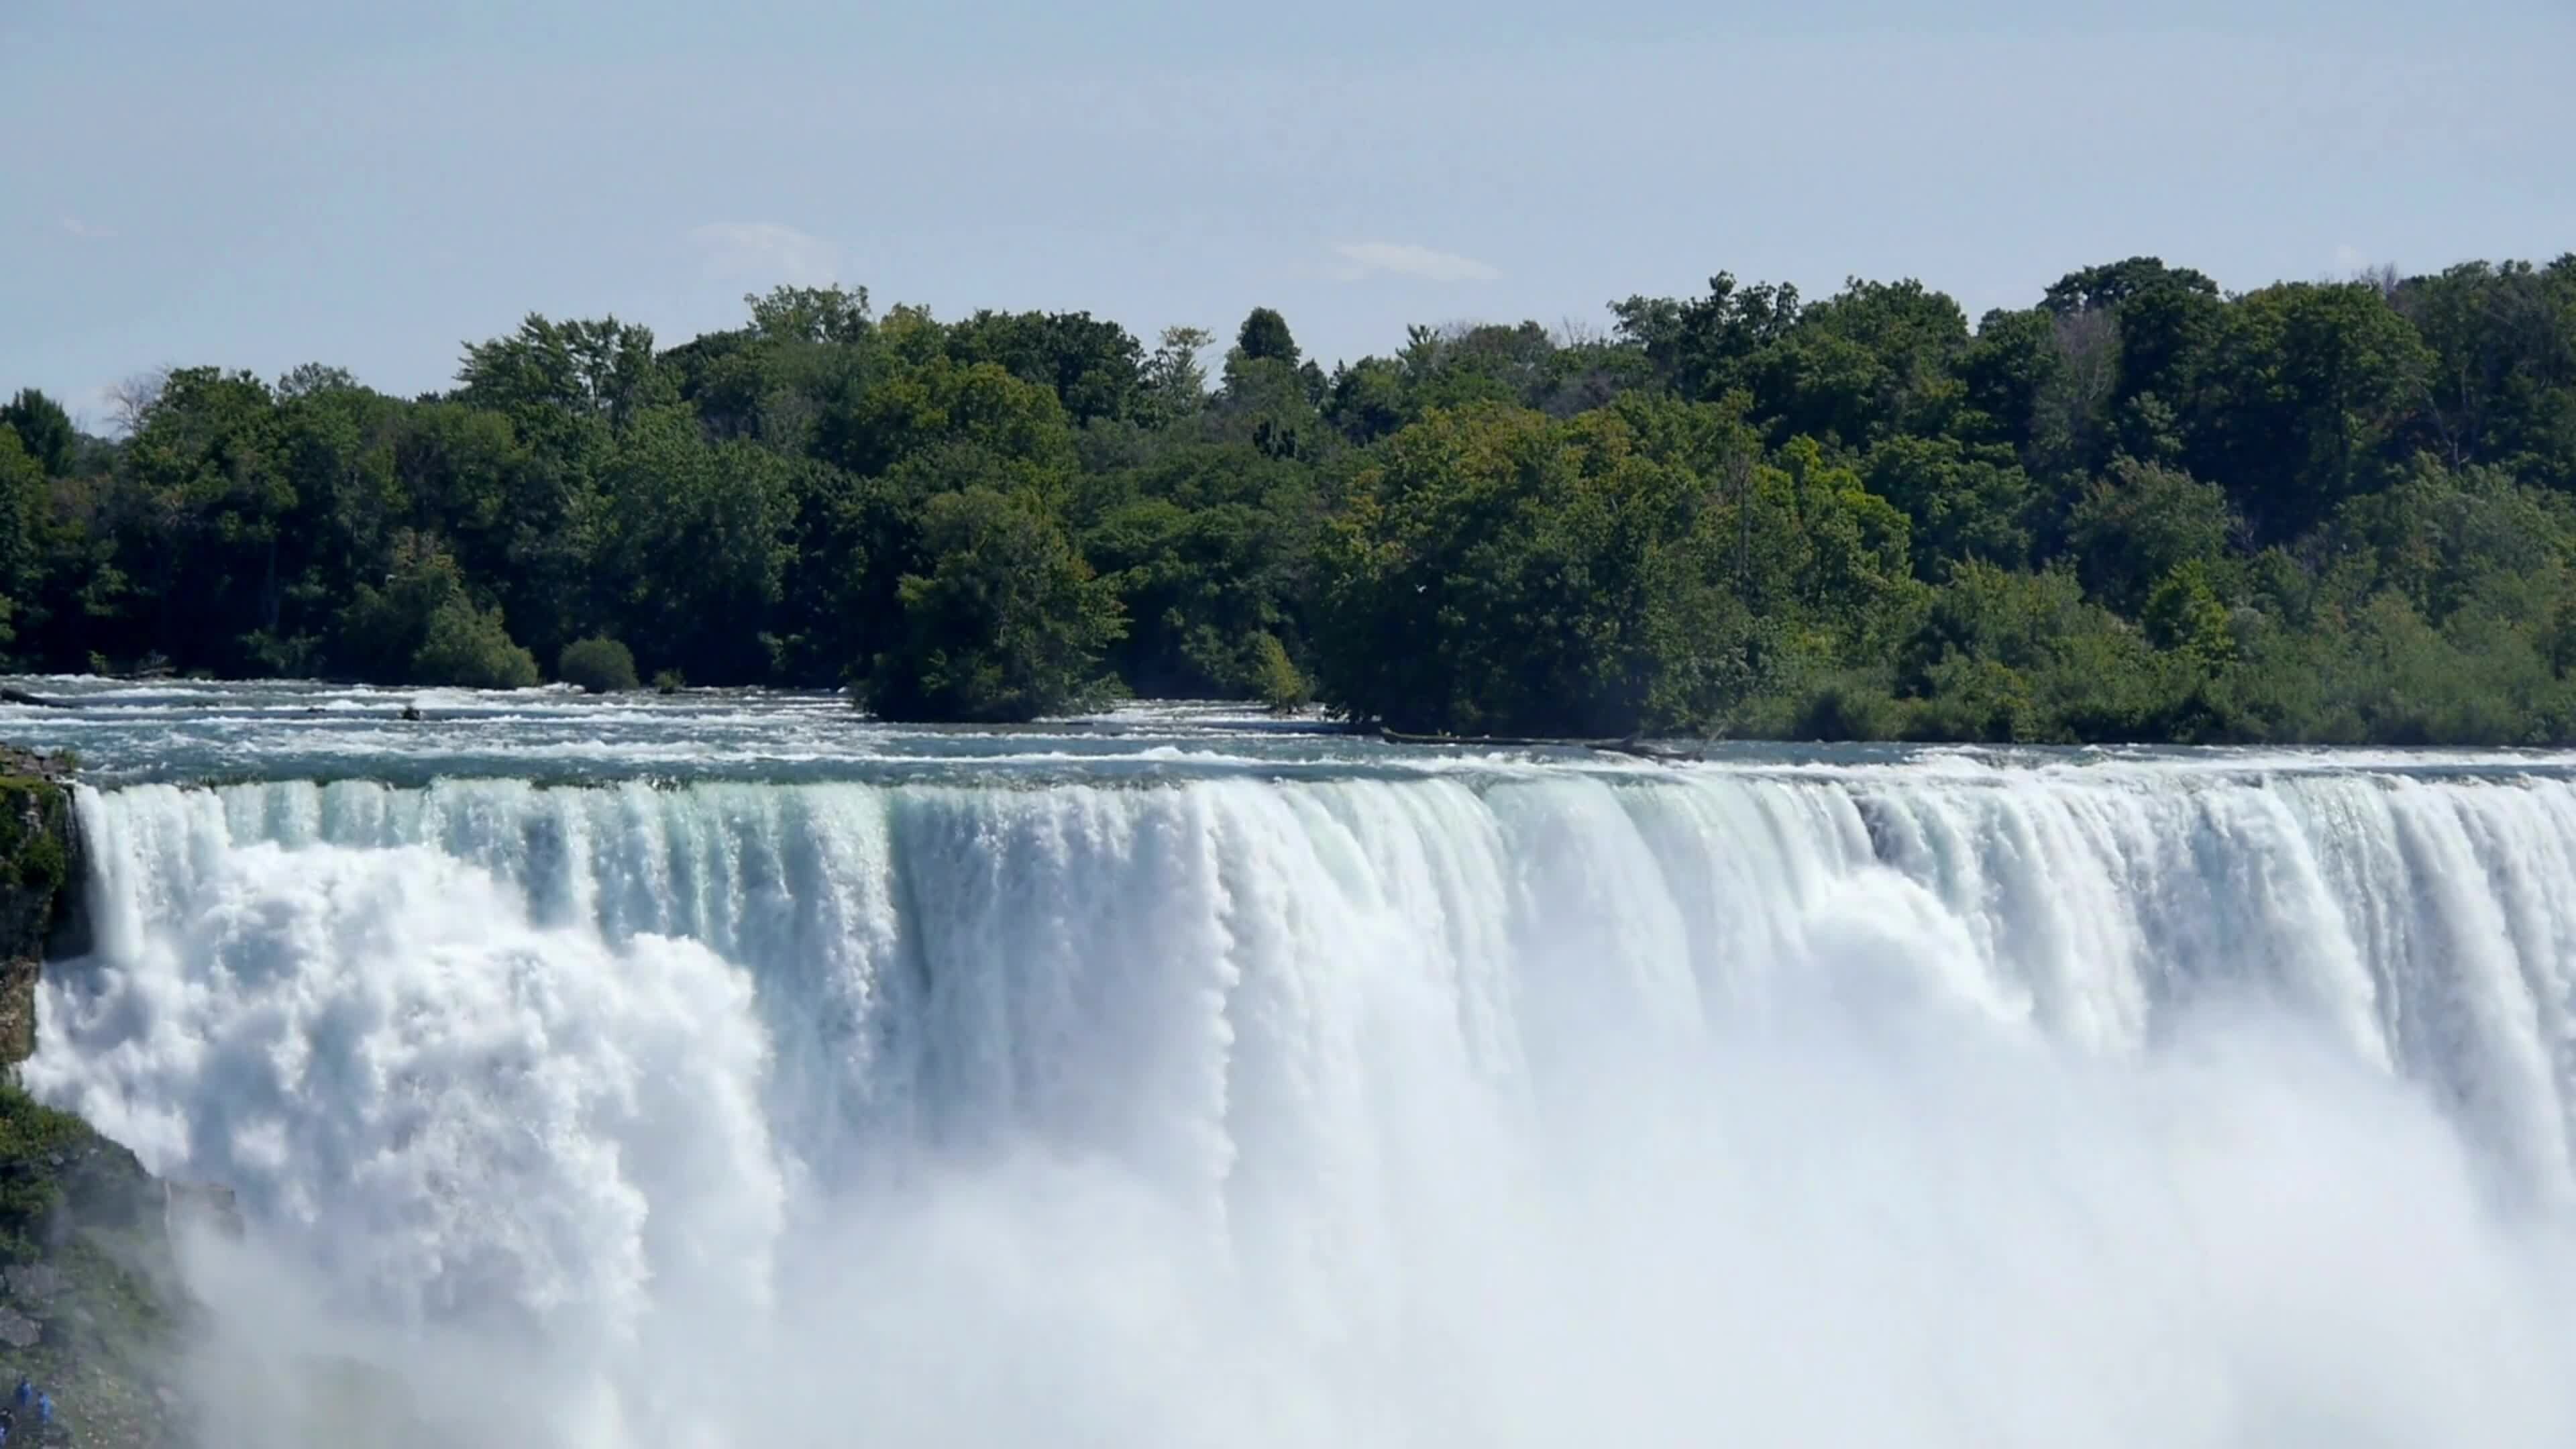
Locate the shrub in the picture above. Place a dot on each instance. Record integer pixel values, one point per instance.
(469, 648)
(599, 666)
(669, 682)
(1846, 709)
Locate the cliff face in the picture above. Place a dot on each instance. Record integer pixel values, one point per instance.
(40, 870)
(90, 1305)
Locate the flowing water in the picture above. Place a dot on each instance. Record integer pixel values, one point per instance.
(730, 1071)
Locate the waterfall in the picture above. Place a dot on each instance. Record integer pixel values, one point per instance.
(1925, 1104)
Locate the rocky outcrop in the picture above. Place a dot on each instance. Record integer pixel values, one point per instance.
(90, 1302)
(40, 868)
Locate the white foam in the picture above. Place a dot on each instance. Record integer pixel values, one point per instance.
(1966, 1105)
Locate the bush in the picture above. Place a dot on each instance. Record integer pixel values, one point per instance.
(669, 682)
(1849, 709)
(599, 666)
(467, 647)
(1971, 701)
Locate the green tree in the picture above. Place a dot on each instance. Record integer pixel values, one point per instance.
(940, 403)
(1095, 368)
(22, 499)
(2140, 524)
(1173, 382)
(44, 431)
(1264, 337)
(692, 546)
(425, 627)
(2111, 285)
(815, 316)
(2305, 386)
(1498, 572)
(1206, 547)
(2184, 614)
(1007, 624)
(1964, 501)
(603, 368)
(2500, 383)
(214, 497)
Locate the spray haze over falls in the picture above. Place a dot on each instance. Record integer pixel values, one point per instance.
(1174, 1080)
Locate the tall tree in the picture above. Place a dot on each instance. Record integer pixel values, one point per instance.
(1264, 338)
(44, 431)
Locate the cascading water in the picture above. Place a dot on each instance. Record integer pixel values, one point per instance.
(1942, 1101)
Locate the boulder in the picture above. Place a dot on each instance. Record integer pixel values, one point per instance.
(33, 1283)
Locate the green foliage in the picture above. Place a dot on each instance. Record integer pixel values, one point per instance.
(2184, 615)
(1206, 548)
(1095, 368)
(31, 1134)
(425, 628)
(1843, 709)
(2139, 507)
(1964, 501)
(1264, 336)
(600, 666)
(1498, 572)
(1275, 679)
(22, 510)
(44, 431)
(43, 865)
(2138, 525)
(669, 681)
(603, 369)
(691, 544)
(467, 647)
(2304, 387)
(1006, 624)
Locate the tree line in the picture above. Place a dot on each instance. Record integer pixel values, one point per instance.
(2143, 508)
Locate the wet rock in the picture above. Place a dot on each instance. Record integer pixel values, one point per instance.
(18, 1330)
(34, 1282)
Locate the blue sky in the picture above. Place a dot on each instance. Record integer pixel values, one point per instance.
(269, 182)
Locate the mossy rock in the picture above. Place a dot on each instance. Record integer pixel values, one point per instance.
(40, 915)
(88, 1264)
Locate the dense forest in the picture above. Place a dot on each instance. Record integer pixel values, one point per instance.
(2142, 509)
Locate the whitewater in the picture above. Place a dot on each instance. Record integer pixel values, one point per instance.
(727, 1070)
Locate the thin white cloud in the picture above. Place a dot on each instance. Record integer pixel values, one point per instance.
(1362, 260)
(765, 251)
(86, 231)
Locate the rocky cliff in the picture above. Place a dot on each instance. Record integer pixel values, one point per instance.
(40, 866)
(90, 1305)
